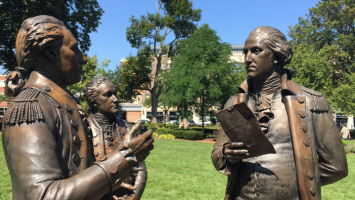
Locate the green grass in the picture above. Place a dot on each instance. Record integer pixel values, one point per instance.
(183, 170)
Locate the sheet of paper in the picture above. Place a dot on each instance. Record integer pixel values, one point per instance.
(241, 125)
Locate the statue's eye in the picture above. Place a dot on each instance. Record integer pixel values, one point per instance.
(256, 51)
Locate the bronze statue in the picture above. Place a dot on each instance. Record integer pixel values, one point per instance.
(108, 131)
(47, 149)
(297, 122)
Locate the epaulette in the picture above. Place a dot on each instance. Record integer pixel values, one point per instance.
(24, 108)
(319, 103)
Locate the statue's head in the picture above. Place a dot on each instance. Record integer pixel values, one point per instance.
(43, 43)
(266, 50)
(101, 96)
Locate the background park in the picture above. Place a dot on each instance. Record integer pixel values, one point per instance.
(179, 52)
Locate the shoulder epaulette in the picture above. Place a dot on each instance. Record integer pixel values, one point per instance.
(319, 103)
(24, 108)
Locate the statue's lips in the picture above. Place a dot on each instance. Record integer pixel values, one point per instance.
(251, 68)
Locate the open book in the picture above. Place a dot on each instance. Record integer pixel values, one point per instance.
(241, 125)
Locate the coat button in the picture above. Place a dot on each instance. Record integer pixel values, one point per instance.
(69, 109)
(302, 114)
(306, 142)
(313, 191)
(74, 124)
(301, 99)
(46, 88)
(76, 140)
(76, 159)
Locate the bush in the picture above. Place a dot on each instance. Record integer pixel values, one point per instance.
(186, 134)
(163, 136)
(349, 146)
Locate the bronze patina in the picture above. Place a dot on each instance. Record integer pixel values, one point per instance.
(297, 122)
(48, 151)
(108, 131)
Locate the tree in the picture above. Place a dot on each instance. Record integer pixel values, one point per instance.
(81, 17)
(323, 45)
(202, 75)
(157, 34)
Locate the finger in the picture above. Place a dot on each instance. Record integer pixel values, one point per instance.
(148, 133)
(236, 144)
(237, 152)
(127, 186)
(134, 129)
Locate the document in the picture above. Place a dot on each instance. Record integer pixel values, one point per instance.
(241, 125)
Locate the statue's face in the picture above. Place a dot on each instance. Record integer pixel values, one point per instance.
(106, 99)
(71, 59)
(259, 59)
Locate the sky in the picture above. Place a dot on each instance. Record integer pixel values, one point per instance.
(233, 20)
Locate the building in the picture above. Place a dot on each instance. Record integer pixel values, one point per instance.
(3, 104)
(137, 111)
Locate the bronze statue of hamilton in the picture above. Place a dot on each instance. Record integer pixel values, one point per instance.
(297, 122)
(48, 151)
(108, 131)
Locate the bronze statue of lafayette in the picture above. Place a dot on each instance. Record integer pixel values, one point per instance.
(48, 151)
(108, 131)
(297, 122)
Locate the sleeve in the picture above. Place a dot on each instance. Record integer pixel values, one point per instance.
(330, 150)
(141, 180)
(218, 159)
(37, 169)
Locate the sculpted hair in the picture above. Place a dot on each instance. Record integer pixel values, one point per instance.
(276, 42)
(35, 34)
(90, 90)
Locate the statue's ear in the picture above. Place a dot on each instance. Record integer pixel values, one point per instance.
(51, 53)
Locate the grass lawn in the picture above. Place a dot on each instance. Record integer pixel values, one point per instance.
(183, 170)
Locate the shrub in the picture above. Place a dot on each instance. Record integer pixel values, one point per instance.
(163, 136)
(349, 146)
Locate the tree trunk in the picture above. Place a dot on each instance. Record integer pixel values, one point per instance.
(154, 105)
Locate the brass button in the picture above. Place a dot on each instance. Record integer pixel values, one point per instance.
(46, 88)
(257, 194)
(313, 191)
(76, 159)
(69, 109)
(302, 114)
(306, 142)
(301, 99)
(74, 124)
(304, 127)
(310, 176)
(76, 140)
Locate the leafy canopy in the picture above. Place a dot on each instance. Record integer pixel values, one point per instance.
(81, 17)
(202, 74)
(323, 45)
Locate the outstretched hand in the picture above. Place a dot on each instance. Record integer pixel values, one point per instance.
(235, 152)
(139, 145)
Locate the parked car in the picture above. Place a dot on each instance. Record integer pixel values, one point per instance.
(206, 123)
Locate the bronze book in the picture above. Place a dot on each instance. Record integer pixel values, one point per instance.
(241, 125)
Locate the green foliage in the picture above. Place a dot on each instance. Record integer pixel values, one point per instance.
(186, 134)
(81, 17)
(349, 146)
(133, 75)
(163, 136)
(323, 45)
(202, 74)
(157, 34)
